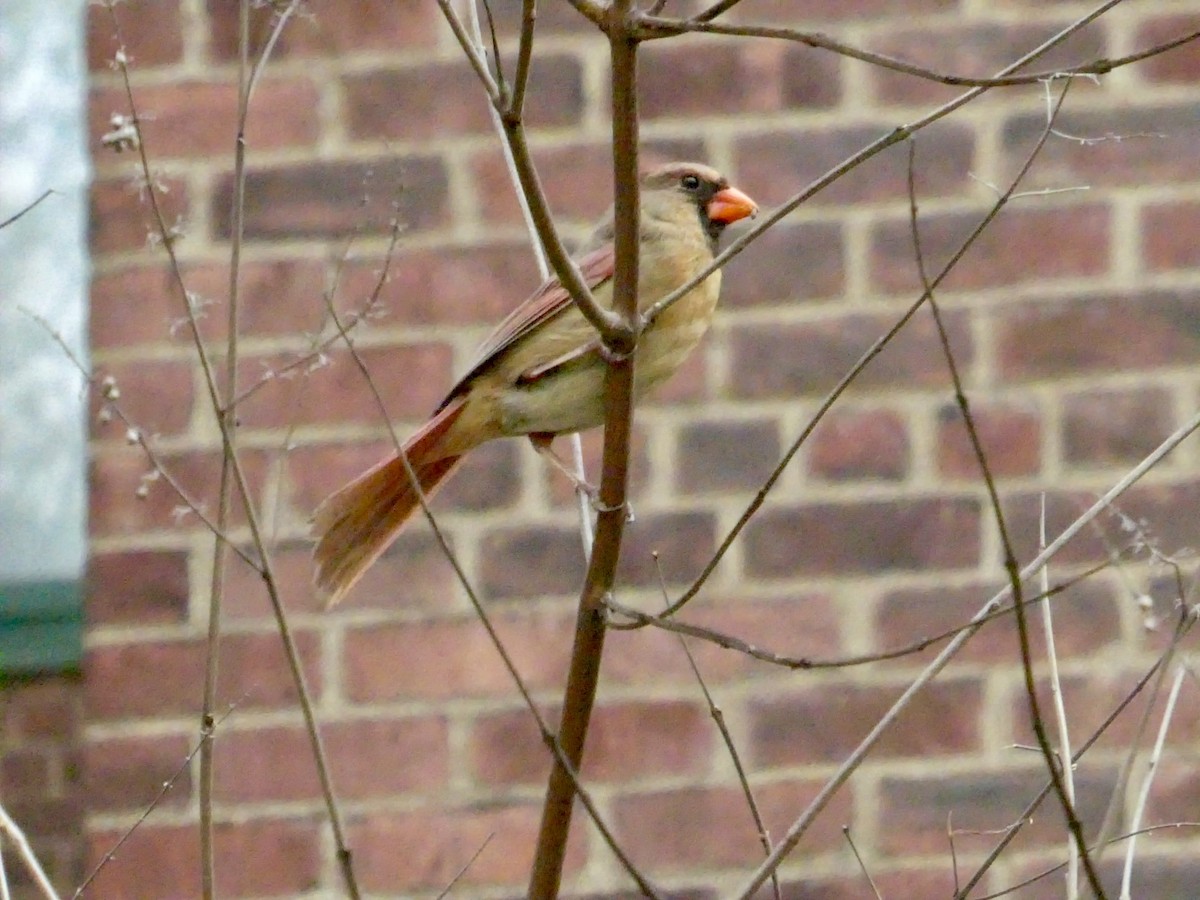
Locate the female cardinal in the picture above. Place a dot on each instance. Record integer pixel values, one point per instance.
(541, 372)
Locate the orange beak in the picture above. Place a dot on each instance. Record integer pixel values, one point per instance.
(729, 204)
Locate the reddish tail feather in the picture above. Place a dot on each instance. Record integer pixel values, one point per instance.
(357, 523)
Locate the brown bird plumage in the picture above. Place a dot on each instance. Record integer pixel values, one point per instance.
(541, 372)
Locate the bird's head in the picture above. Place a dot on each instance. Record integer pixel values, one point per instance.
(704, 189)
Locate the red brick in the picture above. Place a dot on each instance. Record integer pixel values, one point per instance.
(1087, 619)
(333, 199)
(786, 360)
(328, 28)
(25, 774)
(455, 658)
(721, 455)
(914, 810)
(156, 395)
(411, 379)
(788, 263)
(141, 304)
(692, 827)
(261, 857)
(199, 118)
(1010, 436)
(772, 166)
(577, 178)
(1174, 792)
(689, 384)
(530, 561)
(438, 842)
(1176, 66)
(1097, 334)
(863, 443)
(1021, 245)
(731, 77)
(488, 479)
(118, 473)
(413, 573)
(1167, 229)
(554, 98)
(166, 678)
(129, 773)
(683, 541)
(626, 742)
(1140, 145)
(138, 586)
(863, 537)
(121, 218)
(452, 285)
(973, 51)
(44, 709)
(824, 724)
(150, 29)
(367, 758)
(1107, 427)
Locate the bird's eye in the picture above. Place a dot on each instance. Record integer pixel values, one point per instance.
(690, 182)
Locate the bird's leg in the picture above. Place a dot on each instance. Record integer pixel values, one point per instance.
(542, 444)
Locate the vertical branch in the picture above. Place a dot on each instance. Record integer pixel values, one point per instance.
(1060, 711)
(590, 624)
(229, 452)
(1144, 793)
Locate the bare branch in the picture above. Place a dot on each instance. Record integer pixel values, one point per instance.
(652, 27)
(29, 208)
(895, 136)
(1144, 794)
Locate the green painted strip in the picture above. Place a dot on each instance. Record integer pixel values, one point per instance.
(41, 626)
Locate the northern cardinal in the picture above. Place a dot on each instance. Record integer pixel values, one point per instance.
(541, 372)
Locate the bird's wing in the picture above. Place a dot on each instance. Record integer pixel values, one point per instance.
(540, 307)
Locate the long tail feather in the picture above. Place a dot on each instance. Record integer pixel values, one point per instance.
(357, 523)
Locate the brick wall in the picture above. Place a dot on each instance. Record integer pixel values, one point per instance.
(1074, 320)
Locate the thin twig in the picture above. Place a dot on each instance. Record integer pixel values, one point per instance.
(163, 790)
(1011, 567)
(463, 871)
(895, 136)
(862, 866)
(1060, 711)
(28, 208)
(225, 487)
(14, 835)
(1155, 671)
(653, 27)
(1139, 808)
(474, 57)
(241, 482)
(718, 717)
(763, 654)
(516, 105)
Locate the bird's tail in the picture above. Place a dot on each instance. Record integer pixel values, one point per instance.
(357, 523)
